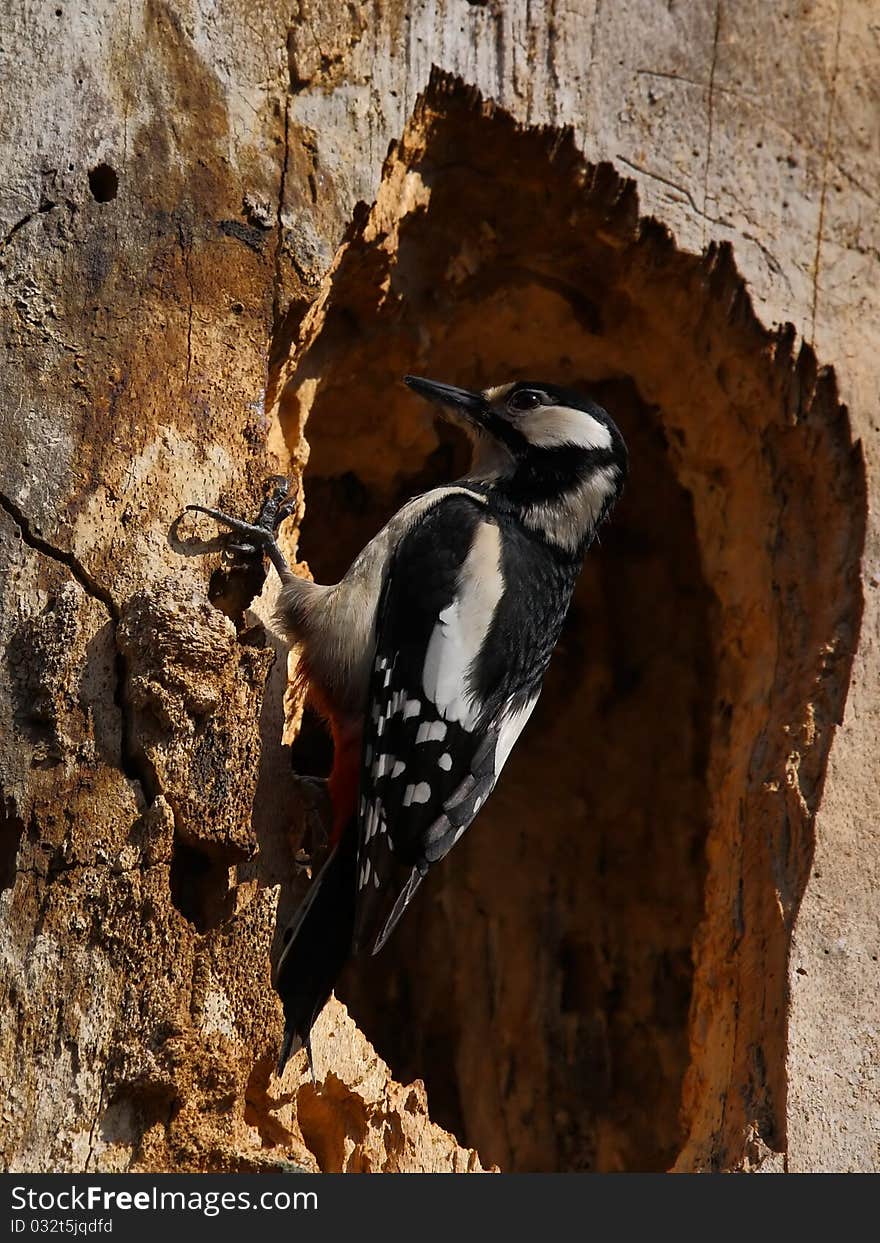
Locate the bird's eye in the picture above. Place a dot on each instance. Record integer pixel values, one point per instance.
(525, 399)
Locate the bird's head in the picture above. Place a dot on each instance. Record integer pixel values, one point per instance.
(556, 457)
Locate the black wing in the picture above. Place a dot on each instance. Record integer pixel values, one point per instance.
(440, 720)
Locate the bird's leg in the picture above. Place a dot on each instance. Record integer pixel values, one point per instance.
(260, 535)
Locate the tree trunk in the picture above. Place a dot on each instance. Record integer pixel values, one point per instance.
(226, 234)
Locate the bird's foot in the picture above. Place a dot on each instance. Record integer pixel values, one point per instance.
(256, 538)
(279, 503)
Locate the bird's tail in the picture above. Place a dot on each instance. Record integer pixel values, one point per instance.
(317, 946)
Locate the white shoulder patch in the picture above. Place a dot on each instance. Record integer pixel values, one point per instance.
(461, 628)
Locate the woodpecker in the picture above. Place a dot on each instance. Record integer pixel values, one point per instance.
(427, 658)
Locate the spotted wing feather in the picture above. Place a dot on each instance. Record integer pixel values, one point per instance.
(434, 732)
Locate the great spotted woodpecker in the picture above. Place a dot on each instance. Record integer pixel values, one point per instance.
(427, 658)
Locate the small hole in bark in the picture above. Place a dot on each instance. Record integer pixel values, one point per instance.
(103, 183)
(567, 979)
(200, 886)
(11, 831)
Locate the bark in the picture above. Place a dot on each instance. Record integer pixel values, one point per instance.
(225, 236)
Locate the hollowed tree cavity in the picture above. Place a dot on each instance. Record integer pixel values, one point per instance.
(596, 977)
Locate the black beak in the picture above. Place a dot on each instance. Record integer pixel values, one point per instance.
(456, 401)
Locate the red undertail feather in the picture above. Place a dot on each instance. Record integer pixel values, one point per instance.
(345, 777)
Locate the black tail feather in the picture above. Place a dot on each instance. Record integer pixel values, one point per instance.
(404, 898)
(318, 948)
(287, 1050)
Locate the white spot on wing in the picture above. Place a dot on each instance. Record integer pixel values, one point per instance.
(416, 793)
(399, 767)
(382, 765)
(462, 626)
(412, 707)
(445, 761)
(431, 731)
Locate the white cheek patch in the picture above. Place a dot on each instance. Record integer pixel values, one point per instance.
(560, 425)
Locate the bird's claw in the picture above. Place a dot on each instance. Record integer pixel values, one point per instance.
(257, 537)
(279, 503)
(285, 510)
(261, 536)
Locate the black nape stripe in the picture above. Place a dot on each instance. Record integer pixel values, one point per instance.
(546, 474)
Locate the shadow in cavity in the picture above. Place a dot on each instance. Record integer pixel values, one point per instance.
(541, 985)
(592, 977)
(200, 886)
